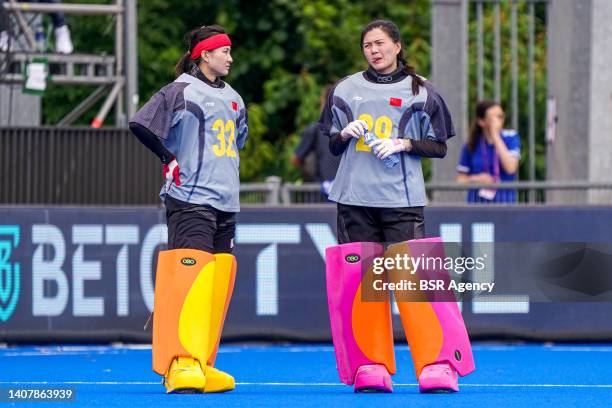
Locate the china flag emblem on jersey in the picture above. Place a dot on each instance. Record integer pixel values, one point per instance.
(395, 102)
(235, 106)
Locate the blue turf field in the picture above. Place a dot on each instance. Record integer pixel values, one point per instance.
(305, 375)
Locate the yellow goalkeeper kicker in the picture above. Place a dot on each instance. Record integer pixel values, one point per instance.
(183, 307)
(225, 275)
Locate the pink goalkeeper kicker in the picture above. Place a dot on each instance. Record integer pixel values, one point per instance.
(356, 343)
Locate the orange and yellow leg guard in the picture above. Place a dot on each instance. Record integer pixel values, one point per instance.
(361, 330)
(192, 292)
(432, 321)
(225, 276)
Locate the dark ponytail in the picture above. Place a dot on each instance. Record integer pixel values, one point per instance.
(393, 32)
(476, 131)
(409, 70)
(184, 64)
(192, 39)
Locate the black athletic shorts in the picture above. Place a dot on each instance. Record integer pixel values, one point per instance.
(199, 227)
(373, 224)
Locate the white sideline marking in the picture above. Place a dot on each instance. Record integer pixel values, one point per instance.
(540, 385)
(581, 349)
(460, 385)
(298, 384)
(79, 382)
(114, 350)
(54, 353)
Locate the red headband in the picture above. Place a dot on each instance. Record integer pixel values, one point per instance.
(211, 43)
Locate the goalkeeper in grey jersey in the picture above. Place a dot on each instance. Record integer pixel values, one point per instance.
(380, 203)
(195, 125)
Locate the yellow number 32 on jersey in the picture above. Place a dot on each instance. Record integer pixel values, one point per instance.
(224, 147)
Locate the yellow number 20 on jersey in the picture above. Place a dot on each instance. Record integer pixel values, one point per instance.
(383, 127)
(224, 147)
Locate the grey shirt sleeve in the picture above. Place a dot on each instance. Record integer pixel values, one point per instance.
(441, 123)
(156, 114)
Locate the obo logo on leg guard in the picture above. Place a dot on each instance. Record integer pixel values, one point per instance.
(188, 261)
(352, 258)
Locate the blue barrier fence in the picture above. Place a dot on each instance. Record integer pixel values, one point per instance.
(86, 273)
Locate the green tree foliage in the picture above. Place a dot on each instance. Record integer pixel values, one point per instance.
(285, 52)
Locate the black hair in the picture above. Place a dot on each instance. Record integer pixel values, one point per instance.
(192, 39)
(393, 32)
(476, 131)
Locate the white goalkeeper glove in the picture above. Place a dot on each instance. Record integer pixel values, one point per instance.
(354, 129)
(386, 147)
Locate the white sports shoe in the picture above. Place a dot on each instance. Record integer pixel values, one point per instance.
(63, 42)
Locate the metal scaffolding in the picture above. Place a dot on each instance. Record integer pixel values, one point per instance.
(116, 75)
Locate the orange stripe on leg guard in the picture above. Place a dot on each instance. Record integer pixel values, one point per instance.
(177, 271)
(421, 325)
(225, 275)
(423, 332)
(372, 329)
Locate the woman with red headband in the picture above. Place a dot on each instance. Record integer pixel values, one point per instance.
(195, 125)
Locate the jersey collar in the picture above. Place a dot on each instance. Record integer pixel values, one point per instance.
(372, 75)
(196, 72)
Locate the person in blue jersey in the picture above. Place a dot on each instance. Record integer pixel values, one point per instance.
(381, 202)
(491, 155)
(196, 126)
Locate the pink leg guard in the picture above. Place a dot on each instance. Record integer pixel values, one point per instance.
(361, 331)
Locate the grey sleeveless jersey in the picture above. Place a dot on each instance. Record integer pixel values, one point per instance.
(391, 110)
(203, 127)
